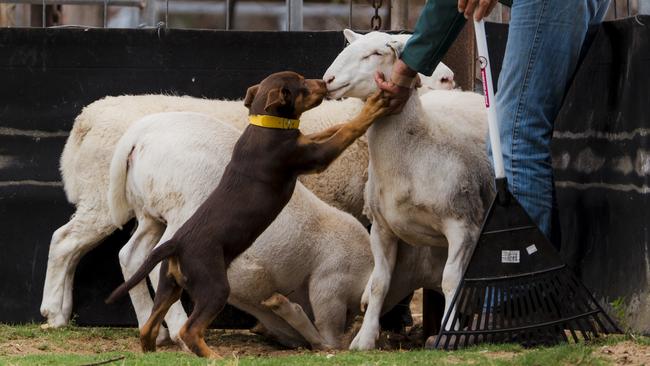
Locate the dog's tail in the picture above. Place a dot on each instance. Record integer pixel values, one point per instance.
(163, 251)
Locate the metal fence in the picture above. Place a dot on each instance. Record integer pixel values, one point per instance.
(223, 14)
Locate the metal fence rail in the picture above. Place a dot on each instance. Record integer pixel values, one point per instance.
(290, 14)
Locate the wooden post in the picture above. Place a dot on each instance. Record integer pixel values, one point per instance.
(399, 14)
(7, 12)
(460, 58)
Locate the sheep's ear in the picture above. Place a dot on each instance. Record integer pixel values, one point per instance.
(418, 81)
(396, 47)
(350, 35)
(274, 98)
(250, 95)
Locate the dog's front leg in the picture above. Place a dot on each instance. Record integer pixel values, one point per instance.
(317, 151)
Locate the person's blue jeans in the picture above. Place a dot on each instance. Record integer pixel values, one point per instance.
(544, 43)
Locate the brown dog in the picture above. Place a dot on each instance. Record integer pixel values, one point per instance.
(256, 185)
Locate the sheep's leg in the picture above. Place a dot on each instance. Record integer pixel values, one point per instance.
(132, 255)
(330, 313)
(275, 327)
(461, 242)
(383, 244)
(85, 230)
(293, 314)
(142, 303)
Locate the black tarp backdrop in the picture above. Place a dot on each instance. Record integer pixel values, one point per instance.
(48, 75)
(601, 156)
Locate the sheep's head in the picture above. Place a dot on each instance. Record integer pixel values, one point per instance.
(352, 72)
(285, 94)
(441, 79)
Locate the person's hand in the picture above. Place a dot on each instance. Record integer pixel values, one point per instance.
(478, 8)
(397, 95)
(376, 106)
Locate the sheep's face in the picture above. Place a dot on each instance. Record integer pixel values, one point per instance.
(441, 79)
(352, 72)
(285, 94)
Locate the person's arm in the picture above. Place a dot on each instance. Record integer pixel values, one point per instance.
(439, 24)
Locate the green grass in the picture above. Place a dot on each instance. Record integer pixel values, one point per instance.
(61, 347)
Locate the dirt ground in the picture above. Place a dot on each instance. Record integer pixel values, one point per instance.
(627, 353)
(241, 343)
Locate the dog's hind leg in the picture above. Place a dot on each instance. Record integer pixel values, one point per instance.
(293, 314)
(207, 284)
(167, 293)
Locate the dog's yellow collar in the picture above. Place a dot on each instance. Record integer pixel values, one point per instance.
(274, 122)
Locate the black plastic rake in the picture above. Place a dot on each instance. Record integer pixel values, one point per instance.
(516, 288)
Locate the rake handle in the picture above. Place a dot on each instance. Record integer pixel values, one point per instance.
(488, 89)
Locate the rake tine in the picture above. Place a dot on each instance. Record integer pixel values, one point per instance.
(478, 306)
(490, 316)
(483, 308)
(578, 304)
(461, 308)
(554, 309)
(501, 314)
(590, 301)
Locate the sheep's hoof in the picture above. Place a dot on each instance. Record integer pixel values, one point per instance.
(260, 329)
(359, 344)
(275, 301)
(163, 338)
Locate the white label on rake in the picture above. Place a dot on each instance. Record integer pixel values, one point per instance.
(531, 249)
(509, 256)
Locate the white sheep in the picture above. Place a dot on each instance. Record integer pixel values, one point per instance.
(87, 154)
(86, 158)
(164, 168)
(429, 179)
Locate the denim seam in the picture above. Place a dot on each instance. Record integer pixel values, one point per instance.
(524, 88)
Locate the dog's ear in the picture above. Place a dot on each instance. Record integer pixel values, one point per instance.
(275, 98)
(250, 95)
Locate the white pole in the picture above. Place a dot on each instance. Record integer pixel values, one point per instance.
(490, 102)
(294, 15)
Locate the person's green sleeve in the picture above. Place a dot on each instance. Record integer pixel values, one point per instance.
(437, 28)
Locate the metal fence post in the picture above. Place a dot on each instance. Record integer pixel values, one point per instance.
(149, 13)
(294, 15)
(399, 14)
(644, 7)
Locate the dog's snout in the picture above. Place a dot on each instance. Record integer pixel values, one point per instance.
(330, 79)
